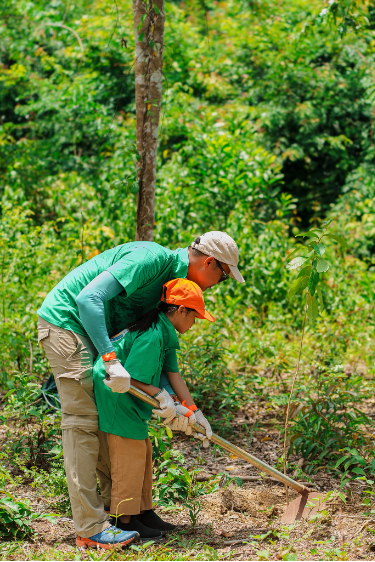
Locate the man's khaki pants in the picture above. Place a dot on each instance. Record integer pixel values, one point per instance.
(85, 446)
(131, 463)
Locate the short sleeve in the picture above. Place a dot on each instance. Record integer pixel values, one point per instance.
(164, 383)
(143, 361)
(135, 269)
(170, 361)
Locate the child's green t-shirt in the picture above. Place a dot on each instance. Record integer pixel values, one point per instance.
(144, 355)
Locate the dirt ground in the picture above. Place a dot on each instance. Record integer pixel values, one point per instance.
(234, 523)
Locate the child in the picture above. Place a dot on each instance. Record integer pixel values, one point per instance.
(146, 349)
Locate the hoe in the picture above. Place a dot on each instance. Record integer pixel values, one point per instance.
(300, 508)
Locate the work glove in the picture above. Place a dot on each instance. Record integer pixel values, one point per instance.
(201, 420)
(167, 406)
(117, 378)
(183, 421)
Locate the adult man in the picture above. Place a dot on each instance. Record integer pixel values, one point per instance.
(94, 301)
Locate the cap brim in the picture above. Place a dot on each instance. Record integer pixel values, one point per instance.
(235, 274)
(205, 316)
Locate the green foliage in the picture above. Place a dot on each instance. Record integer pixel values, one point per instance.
(16, 514)
(174, 482)
(213, 386)
(331, 427)
(161, 440)
(36, 436)
(15, 517)
(53, 486)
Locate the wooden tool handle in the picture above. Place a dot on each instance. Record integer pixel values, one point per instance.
(228, 446)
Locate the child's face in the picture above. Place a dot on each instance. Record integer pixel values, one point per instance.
(183, 320)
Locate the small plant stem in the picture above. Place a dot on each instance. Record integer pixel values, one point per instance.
(291, 393)
(31, 358)
(3, 279)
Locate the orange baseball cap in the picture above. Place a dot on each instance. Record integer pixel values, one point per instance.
(182, 291)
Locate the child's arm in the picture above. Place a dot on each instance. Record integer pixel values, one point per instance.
(167, 408)
(186, 400)
(149, 389)
(180, 388)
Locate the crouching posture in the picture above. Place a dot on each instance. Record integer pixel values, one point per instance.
(146, 349)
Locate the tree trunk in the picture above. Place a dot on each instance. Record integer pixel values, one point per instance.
(149, 19)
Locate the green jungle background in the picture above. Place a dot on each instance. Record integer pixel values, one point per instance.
(267, 130)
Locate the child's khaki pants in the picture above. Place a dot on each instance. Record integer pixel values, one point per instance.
(85, 446)
(131, 468)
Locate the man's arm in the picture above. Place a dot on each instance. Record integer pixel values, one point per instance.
(90, 302)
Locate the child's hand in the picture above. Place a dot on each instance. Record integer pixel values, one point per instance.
(201, 420)
(167, 407)
(183, 421)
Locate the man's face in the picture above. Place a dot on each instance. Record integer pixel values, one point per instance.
(205, 272)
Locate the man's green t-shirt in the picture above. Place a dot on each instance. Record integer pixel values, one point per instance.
(144, 355)
(141, 268)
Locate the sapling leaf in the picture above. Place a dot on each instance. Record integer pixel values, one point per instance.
(312, 308)
(296, 262)
(313, 281)
(304, 234)
(141, 37)
(305, 271)
(157, 11)
(298, 285)
(358, 470)
(299, 248)
(322, 266)
(342, 497)
(320, 249)
(338, 239)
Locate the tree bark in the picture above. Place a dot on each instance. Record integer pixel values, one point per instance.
(149, 17)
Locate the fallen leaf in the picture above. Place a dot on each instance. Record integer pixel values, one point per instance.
(225, 534)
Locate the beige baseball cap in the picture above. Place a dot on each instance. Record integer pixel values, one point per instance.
(223, 248)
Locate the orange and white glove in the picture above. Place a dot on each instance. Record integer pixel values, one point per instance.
(201, 420)
(117, 377)
(183, 421)
(167, 406)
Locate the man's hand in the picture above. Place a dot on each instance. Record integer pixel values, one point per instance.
(117, 378)
(167, 406)
(183, 421)
(201, 420)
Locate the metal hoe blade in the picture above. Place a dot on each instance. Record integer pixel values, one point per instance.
(303, 507)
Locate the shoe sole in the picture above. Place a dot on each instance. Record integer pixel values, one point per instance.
(88, 543)
(151, 538)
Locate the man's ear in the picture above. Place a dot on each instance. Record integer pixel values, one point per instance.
(208, 261)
